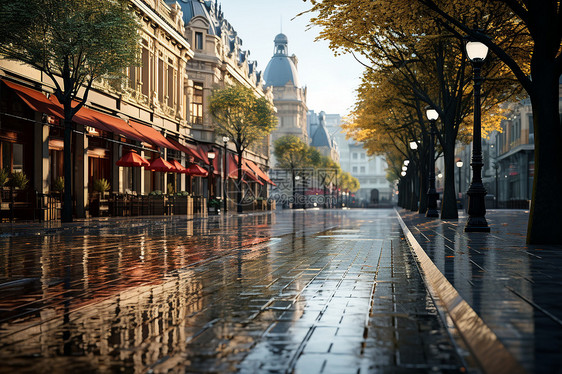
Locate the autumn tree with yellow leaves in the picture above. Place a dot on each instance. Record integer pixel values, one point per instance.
(525, 40)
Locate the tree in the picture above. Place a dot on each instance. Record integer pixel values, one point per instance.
(293, 154)
(73, 43)
(244, 118)
(422, 59)
(541, 21)
(526, 36)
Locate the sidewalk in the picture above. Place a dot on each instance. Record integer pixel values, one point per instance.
(315, 291)
(514, 288)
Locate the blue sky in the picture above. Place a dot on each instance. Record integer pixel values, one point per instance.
(331, 80)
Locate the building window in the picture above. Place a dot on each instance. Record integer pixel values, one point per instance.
(197, 104)
(198, 40)
(171, 79)
(145, 72)
(362, 169)
(354, 155)
(11, 156)
(160, 80)
(354, 169)
(362, 156)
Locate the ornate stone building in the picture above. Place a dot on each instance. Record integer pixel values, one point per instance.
(141, 113)
(288, 97)
(218, 60)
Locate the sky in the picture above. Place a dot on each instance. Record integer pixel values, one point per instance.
(331, 81)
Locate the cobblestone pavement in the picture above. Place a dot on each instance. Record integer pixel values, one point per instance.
(515, 288)
(286, 292)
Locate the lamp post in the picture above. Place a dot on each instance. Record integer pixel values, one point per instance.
(225, 140)
(432, 195)
(476, 52)
(211, 157)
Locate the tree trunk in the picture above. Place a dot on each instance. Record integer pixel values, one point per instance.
(240, 183)
(449, 201)
(544, 226)
(413, 179)
(66, 215)
(423, 172)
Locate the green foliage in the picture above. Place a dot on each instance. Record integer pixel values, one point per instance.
(214, 203)
(4, 176)
(291, 152)
(155, 193)
(59, 185)
(81, 40)
(19, 180)
(242, 116)
(182, 193)
(101, 185)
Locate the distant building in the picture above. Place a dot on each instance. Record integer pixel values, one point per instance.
(288, 97)
(370, 171)
(320, 137)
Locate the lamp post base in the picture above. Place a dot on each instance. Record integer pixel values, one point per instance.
(432, 197)
(477, 224)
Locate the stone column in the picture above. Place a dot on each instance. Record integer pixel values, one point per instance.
(41, 171)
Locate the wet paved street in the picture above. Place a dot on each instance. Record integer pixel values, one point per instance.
(303, 292)
(514, 287)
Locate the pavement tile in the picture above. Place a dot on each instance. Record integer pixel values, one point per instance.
(177, 295)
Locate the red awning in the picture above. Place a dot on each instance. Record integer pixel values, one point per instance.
(179, 167)
(259, 172)
(101, 121)
(35, 99)
(132, 159)
(246, 171)
(196, 171)
(162, 165)
(153, 136)
(188, 149)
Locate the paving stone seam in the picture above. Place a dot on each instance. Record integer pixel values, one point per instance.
(486, 348)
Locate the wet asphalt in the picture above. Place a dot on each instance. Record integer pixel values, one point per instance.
(317, 291)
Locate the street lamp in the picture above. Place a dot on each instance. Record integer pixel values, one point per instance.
(403, 173)
(476, 52)
(406, 162)
(413, 146)
(432, 195)
(211, 157)
(404, 168)
(459, 165)
(225, 140)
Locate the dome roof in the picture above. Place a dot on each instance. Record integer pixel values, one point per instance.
(281, 38)
(281, 68)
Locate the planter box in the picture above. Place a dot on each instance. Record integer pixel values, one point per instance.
(157, 205)
(271, 205)
(183, 205)
(261, 204)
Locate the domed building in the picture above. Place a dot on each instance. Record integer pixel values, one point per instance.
(289, 98)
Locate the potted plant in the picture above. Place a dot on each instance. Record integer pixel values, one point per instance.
(156, 203)
(19, 180)
(214, 206)
(58, 186)
(98, 203)
(4, 177)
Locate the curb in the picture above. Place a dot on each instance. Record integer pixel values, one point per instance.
(489, 353)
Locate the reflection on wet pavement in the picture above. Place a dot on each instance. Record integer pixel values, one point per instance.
(514, 287)
(306, 291)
